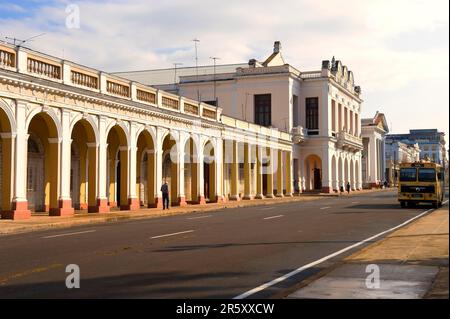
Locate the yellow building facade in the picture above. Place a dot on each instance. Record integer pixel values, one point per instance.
(75, 138)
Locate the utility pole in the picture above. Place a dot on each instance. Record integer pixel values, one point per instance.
(214, 78)
(196, 41)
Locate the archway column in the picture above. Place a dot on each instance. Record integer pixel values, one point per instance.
(181, 168)
(219, 170)
(64, 201)
(234, 188)
(102, 201)
(200, 177)
(288, 174)
(19, 207)
(259, 173)
(326, 172)
(269, 173)
(247, 171)
(279, 173)
(151, 178)
(336, 180)
(133, 200)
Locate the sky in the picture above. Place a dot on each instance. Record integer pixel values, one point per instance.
(398, 50)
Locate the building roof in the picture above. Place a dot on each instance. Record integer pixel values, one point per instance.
(167, 76)
(378, 120)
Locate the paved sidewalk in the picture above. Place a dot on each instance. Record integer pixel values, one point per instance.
(412, 262)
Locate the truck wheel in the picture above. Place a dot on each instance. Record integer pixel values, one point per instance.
(436, 204)
(402, 204)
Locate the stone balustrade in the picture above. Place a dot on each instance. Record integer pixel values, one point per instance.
(27, 61)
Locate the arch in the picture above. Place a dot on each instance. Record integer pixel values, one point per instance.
(346, 172)
(85, 118)
(145, 168)
(334, 177)
(84, 167)
(43, 127)
(313, 172)
(7, 129)
(340, 173)
(7, 120)
(117, 163)
(171, 166)
(50, 117)
(125, 138)
(352, 175)
(191, 170)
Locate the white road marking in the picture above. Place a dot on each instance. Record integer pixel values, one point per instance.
(70, 234)
(200, 217)
(272, 217)
(319, 261)
(173, 234)
(326, 207)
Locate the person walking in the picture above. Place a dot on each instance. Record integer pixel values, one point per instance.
(165, 195)
(348, 188)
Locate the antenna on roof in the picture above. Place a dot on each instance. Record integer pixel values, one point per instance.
(214, 78)
(23, 41)
(196, 66)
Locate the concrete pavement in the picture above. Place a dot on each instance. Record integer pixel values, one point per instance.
(412, 262)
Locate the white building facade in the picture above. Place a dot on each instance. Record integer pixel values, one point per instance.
(396, 153)
(321, 109)
(374, 131)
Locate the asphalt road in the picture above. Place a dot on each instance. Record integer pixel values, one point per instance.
(218, 254)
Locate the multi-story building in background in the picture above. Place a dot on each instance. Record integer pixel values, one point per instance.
(373, 135)
(431, 143)
(396, 153)
(320, 108)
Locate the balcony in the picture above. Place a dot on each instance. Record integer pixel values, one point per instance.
(299, 134)
(348, 141)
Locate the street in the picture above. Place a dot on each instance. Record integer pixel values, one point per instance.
(218, 254)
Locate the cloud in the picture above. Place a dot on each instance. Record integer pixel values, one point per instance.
(398, 50)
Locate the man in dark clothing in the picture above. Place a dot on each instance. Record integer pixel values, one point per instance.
(165, 195)
(348, 187)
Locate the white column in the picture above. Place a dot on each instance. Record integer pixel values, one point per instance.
(132, 164)
(326, 171)
(372, 163)
(218, 152)
(20, 157)
(200, 175)
(159, 165)
(180, 158)
(66, 142)
(102, 200)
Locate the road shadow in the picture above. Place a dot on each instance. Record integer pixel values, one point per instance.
(141, 285)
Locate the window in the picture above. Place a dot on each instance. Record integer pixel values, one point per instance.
(427, 175)
(312, 113)
(333, 116)
(295, 110)
(263, 106)
(408, 175)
